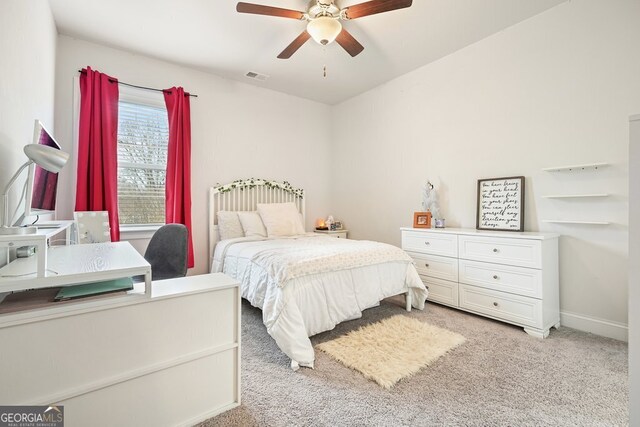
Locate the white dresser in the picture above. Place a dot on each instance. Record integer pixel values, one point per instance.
(508, 276)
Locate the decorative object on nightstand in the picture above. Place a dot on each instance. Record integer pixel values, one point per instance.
(321, 224)
(329, 222)
(340, 234)
(500, 204)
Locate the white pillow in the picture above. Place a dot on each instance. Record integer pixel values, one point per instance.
(281, 219)
(229, 226)
(252, 224)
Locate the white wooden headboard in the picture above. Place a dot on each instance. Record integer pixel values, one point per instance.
(244, 195)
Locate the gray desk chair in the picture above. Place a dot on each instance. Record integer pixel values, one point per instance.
(167, 252)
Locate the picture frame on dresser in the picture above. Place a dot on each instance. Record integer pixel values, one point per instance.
(422, 220)
(500, 204)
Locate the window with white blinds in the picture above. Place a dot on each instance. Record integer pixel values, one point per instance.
(143, 137)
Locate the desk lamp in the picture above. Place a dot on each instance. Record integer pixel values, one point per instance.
(48, 158)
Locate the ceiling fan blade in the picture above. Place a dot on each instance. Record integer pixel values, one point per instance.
(259, 9)
(295, 45)
(349, 43)
(375, 6)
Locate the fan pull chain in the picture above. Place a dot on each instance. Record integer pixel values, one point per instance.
(324, 57)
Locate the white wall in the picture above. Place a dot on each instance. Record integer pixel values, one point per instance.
(28, 51)
(554, 90)
(238, 130)
(634, 272)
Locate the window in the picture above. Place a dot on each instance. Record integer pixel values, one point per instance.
(143, 137)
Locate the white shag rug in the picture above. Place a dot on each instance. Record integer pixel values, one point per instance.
(392, 349)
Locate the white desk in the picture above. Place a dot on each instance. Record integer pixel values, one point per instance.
(172, 358)
(40, 240)
(73, 264)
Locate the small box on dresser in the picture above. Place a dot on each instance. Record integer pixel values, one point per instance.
(507, 276)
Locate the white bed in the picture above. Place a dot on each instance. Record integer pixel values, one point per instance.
(306, 284)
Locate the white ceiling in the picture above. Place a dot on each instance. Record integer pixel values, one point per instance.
(210, 35)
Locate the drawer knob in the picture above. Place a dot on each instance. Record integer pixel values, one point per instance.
(426, 265)
(495, 250)
(495, 304)
(495, 276)
(427, 243)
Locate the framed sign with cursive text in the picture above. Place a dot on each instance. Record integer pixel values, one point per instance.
(501, 204)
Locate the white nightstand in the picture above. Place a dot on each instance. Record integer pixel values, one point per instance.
(340, 234)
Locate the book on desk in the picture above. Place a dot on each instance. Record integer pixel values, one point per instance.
(50, 297)
(90, 289)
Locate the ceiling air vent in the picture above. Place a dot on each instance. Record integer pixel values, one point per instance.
(256, 76)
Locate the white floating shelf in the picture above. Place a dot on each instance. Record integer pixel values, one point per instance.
(562, 221)
(574, 196)
(588, 166)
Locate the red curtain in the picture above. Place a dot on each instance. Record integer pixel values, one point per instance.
(178, 183)
(97, 180)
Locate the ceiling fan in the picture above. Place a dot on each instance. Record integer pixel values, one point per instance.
(324, 18)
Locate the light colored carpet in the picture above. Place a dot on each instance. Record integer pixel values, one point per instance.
(391, 349)
(499, 377)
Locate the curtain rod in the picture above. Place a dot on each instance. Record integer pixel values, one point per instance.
(140, 87)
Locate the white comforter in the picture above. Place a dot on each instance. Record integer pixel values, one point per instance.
(308, 284)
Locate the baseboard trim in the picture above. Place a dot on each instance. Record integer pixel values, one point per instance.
(203, 417)
(605, 328)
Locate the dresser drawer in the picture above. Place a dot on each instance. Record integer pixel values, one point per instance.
(441, 291)
(515, 280)
(501, 305)
(440, 267)
(521, 252)
(430, 243)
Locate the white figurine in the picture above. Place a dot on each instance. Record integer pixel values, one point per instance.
(425, 197)
(430, 200)
(329, 222)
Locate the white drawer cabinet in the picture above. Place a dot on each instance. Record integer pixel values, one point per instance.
(516, 280)
(441, 291)
(436, 266)
(172, 358)
(501, 305)
(503, 250)
(507, 276)
(431, 243)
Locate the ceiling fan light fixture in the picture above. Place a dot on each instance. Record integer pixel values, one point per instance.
(324, 29)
